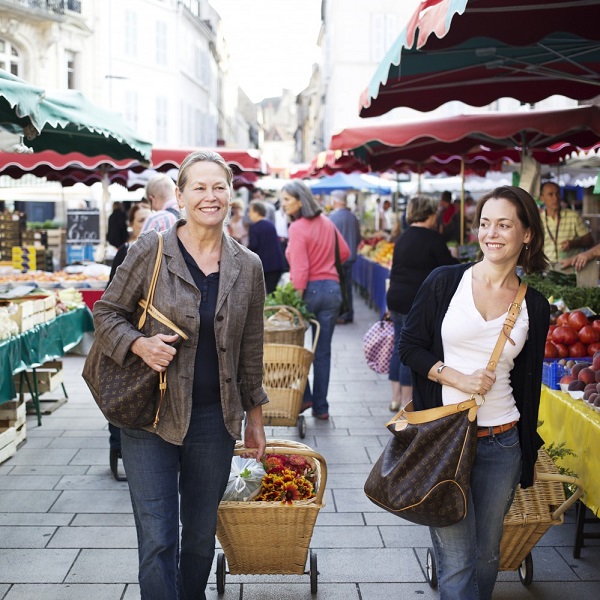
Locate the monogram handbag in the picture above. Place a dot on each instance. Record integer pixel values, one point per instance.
(131, 395)
(424, 473)
(378, 346)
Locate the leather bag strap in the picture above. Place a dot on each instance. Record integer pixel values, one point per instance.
(513, 312)
(153, 281)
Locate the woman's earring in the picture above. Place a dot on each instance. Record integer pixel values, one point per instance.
(526, 246)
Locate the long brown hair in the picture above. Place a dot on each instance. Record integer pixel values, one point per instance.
(532, 258)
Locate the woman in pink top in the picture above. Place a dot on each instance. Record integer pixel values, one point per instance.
(311, 255)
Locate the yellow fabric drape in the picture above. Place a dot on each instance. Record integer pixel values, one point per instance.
(571, 421)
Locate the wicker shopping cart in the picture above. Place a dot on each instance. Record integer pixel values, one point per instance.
(534, 510)
(284, 325)
(285, 373)
(265, 538)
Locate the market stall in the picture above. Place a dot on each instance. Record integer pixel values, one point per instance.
(371, 277)
(44, 342)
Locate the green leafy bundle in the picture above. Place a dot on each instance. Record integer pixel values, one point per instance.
(288, 296)
(563, 287)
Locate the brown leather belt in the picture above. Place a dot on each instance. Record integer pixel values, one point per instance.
(496, 430)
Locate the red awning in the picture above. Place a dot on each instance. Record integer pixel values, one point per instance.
(164, 159)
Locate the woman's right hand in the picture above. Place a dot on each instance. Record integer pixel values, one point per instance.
(478, 382)
(156, 351)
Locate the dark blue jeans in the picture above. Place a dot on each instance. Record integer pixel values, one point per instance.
(468, 554)
(323, 298)
(166, 480)
(398, 370)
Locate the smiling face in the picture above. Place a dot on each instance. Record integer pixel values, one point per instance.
(501, 234)
(206, 194)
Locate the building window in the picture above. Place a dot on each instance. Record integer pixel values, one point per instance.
(130, 33)
(10, 60)
(384, 31)
(161, 43)
(131, 109)
(71, 74)
(161, 120)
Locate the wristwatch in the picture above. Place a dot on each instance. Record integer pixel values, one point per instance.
(439, 370)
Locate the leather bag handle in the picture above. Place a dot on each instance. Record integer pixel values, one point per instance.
(150, 301)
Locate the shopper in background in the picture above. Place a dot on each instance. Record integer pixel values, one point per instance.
(348, 225)
(565, 231)
(263, 240)
(160, 192)
(213, 288)
(117, 232)
(418, 251)
(137, 217)
(311, 256)
(236, 227)
(447, 341)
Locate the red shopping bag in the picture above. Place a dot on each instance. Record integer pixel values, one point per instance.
(378, 346)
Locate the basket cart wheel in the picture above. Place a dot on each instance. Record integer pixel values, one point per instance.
(430, 570)
(301, 427)
(313, 572)
(221, 569)
(526, 570)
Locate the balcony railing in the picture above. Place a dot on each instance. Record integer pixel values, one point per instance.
(55, 7)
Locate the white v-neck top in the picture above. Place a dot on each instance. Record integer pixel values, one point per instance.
(469, 340)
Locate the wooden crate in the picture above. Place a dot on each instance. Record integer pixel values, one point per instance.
(49, 376)
(13, 414)
(8, 443)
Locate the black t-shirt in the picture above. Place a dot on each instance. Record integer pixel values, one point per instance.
(206, 388)
(417, 252)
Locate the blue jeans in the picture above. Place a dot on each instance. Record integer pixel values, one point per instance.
(398, 370)
(164, 480)
(467, 554)
(323, 298)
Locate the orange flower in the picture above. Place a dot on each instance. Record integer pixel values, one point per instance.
(289, 492)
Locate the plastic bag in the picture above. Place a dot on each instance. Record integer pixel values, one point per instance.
(378, 346)
(245, 479)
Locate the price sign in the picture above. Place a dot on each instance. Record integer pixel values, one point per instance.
(83, 226)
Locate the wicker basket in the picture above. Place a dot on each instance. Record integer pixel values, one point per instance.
(285, 373)
(268, 537)
(533, 511)
(290, 329)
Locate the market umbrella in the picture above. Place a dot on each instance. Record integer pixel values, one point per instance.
(483, 50)
(345, 181)
(66, 121)
(547, 135)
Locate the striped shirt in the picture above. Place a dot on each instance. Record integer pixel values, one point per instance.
(162, 219)
(567, 225)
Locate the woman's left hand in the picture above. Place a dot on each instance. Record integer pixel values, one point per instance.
(254, 435)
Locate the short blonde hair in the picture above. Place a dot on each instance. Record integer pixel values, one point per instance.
(419, 209)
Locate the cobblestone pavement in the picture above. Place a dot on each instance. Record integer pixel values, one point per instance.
(67, 530)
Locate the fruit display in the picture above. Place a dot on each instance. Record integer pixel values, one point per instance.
(63, 279)
(583, 381)
(377, 249)
(573, 334)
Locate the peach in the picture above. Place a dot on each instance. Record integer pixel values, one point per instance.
(577, 367)
(576, 386)
(587, 375)
(589, 389)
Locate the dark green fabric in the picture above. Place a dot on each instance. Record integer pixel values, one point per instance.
(47, 341)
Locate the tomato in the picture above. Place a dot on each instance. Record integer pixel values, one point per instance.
(562, 319)
(550, 330)
(593, 348)
(577, 320)
(551, 351)
(596, 323)
(564, 334)
(577, 350)
(563, 351)
(589, 335)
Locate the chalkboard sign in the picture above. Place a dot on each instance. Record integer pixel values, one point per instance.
(83, 226)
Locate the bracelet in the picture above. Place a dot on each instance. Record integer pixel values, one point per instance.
(439, 370)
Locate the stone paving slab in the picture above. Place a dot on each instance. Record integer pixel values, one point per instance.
(25, 537)
(93, 501)
(104, 520)
(66, 592)
(34, 519)
(90, 482)
(104, 566)
(32, 456)
(48, 470)
(30, 482)
(27, 501)
(35, 566)
(94, 537)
